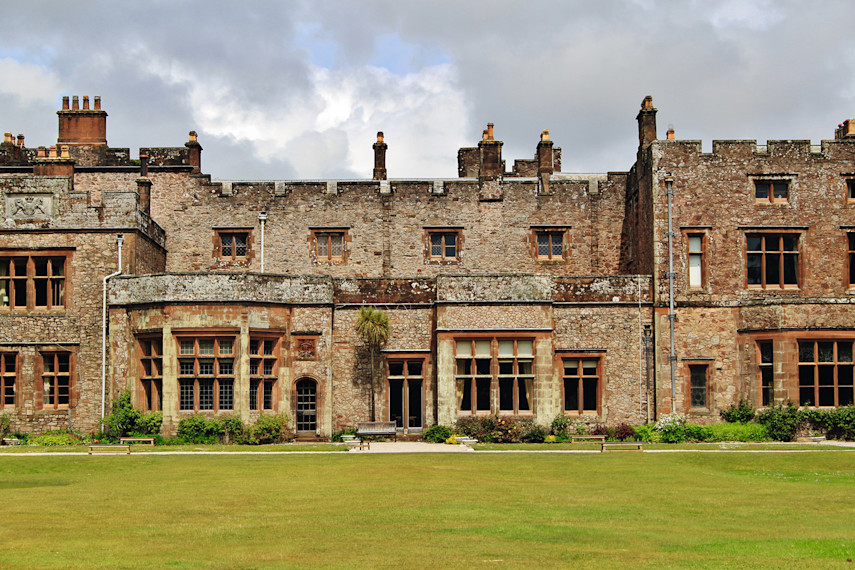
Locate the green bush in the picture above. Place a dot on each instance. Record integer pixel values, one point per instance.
(479, 427)
(124, 420)
(532, 432)
(697, 433)
(52, 438)
(269, 429)
(742, 412)
(781, 421)
(5, 425)
(671, 428)
(841, 423)
(737, 432)
(199, 429)
(646, 433)
(231, 429)
(437, 433)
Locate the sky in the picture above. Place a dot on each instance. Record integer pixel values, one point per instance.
(298, 89)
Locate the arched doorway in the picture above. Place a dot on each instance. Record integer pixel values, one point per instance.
(307, 404)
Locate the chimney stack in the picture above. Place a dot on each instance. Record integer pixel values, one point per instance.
(544, 155)
(380, 157)
(82, 126)
(490, 156)
(195, 151)
(646, 123)
(143, 165)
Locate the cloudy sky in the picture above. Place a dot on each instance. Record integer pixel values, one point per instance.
(280, 90)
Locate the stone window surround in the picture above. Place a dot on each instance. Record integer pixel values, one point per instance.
(260, 381)
(564, 357)
(691, 365)
(765, 372)
(703, 233)
(495, 405)
(850, 256)
(770, 180)
(849, 180)
(217, 337)
(841, 387)
(405, 358)
(774, 231)
(317, 233)
(226, 232)
(55, 357)
(51, 254)
(9, 379)
(545, 229)
(150, 349)
(442, 259)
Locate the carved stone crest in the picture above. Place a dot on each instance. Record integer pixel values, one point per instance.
(306, 348)
(28, 207)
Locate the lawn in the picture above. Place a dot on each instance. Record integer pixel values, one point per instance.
(781, 510)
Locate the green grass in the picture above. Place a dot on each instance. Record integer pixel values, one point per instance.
(781, 510)
(137, 448)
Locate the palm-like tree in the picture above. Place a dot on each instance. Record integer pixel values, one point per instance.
(372, 325)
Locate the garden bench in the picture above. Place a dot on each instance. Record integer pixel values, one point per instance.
(11, 441)
(622, 446)
(377, 429)
(110, 449)
(353, 443)
(467, 441)
(143, 440)
(588, 438)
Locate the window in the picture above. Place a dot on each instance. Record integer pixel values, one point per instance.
(698, 385)
(825, 372)
(234, 246)
(206, 373)
(306, 394)
(850, 189)
(329, 246)
(767, 386)
(550, 245)
(770, 192)
(263, 372)
(56, 379)
(32, 281)
(851, 245)
(405, 379)
(494, 375)
(696, 259)
(151, 372)
(581, 385)
(8, 378)
(443, 246)
(772, 260)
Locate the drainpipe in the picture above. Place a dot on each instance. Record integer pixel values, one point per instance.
(672, 357)
(119, 240)
(262, 218)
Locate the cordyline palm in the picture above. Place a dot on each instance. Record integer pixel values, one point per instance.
(372, 325)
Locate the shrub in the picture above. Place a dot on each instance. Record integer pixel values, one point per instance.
(841, 423)
(646, 433)
(742, 412)
(269, 429)
(532, 432)
(437, 433)
(599, 429)
(231, 429)
(5, 425)
(58, 437)
(781, 421)
(550, 439)
(736, 432)
(125, 420)
(624, 432)
(697, 433)
(149, 424)
(199, 429)
(346, 431)
(481, 428)
(671, 428)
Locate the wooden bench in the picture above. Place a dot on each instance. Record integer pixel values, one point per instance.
(141, 440)
(588, 438)
(622, 446)
(377, 429)
(109, 449)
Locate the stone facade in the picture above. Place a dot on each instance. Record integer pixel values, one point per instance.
(513, 290)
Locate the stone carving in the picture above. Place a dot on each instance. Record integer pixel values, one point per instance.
(306, 348)
(28, 206)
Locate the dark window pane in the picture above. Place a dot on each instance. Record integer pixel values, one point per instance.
(844, 375)
(781, 190)
(806, 351)
(506, 394)
(844, 396)
(483, 395)
(206, 394)
(825, 375)
(826, 351)
(826, 396)
(806, 396)
(523, 395)
(589, 394)
(765, 351)
(791, 243)
(571, 394)
(767, 387)
(414, 368)
(226, 395)
(506, 367)
(806, 375)
(482, 366)
(396, 368)
(761, 190)
(773, 270)
(465, 388)
(755, 265)
(755, 243)
(790, 270)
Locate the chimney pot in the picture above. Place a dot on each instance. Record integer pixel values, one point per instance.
(64, 151)
(193, 136)
(21, 141)
(489, 131)
(7, 137)
(52, 152)
(544, 136)
(97, 102)
(75, 103)
(647, 103)
(40, 152)
(380, 136)
(669, 134)
(86, 102)
(65, 103)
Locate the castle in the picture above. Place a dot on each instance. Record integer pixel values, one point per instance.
(686, 283)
